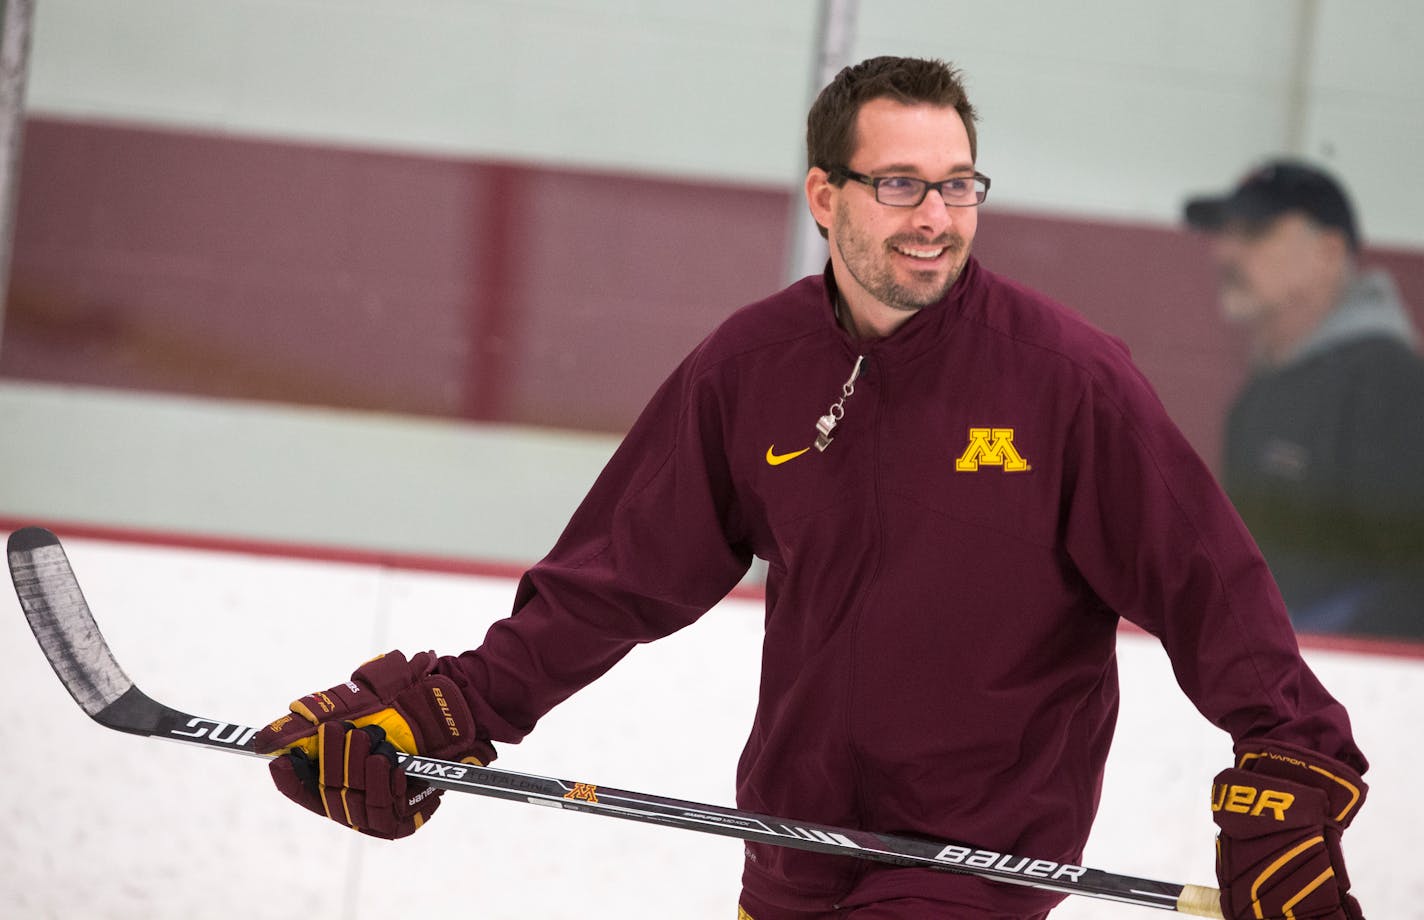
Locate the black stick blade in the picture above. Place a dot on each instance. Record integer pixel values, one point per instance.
(60, 619)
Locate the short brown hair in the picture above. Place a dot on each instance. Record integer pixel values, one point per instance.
(830, 125)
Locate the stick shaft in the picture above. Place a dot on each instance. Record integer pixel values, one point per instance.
(591, 798)
(63, 624)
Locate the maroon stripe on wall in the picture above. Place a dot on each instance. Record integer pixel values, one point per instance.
(222, 266)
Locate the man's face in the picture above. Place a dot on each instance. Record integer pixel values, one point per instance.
(1264, 269)
(906, 258)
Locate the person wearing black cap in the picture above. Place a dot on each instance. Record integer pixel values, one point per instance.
(1324, 447)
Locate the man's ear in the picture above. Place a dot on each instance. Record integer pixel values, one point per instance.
(820, 195)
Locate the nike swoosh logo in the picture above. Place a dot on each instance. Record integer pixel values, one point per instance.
(775, 459)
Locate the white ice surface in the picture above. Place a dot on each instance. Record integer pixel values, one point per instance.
(94, 823)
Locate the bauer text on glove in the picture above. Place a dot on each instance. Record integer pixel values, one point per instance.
(1281, 812)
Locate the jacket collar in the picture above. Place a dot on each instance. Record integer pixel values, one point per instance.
(921, 332)
(1370, 307)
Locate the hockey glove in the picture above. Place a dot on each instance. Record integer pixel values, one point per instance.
(337, 750)
(1281, 811)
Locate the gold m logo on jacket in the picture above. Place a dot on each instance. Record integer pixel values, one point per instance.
(991, 446)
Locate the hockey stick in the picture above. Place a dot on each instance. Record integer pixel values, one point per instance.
(62, 622)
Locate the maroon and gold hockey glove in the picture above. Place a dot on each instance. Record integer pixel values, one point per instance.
(1281, 811)
(337, 750)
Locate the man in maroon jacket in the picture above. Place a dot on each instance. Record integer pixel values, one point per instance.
(959, 488)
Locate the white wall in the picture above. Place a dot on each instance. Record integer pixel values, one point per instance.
(248, 471)
(98, 824)
(1114, 108)
(658, 86)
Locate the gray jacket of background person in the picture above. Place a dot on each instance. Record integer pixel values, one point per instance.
(1325, 462)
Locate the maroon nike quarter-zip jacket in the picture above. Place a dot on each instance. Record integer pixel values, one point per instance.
(945, 578)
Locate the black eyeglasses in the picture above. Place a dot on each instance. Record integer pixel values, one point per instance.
(908, 192)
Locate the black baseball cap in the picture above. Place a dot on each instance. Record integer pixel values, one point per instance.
(1273, 189)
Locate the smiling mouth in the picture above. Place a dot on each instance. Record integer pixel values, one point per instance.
(926, 255)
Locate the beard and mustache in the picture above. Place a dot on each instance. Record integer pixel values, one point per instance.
(870, 262)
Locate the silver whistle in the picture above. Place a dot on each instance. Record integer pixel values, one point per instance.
(827, 423)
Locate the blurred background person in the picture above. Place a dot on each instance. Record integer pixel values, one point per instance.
(1324, 445)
